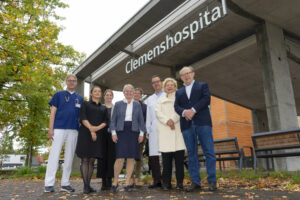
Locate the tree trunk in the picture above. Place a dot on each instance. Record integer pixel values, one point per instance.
(29, 156)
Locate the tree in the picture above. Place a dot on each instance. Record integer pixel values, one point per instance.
(33, 64)
(6, 145)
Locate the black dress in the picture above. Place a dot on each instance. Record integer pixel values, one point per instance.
(95, 114)
(105, 166)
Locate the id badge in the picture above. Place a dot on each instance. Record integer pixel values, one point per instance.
(77, 105)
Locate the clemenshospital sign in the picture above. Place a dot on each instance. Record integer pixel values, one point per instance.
(206, 18)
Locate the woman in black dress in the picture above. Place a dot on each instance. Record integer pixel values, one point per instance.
(93, 119)
(105, 167)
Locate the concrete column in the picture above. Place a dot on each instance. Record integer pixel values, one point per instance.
(260, 121)
(77, 160)
(80, 87)
(279, 94)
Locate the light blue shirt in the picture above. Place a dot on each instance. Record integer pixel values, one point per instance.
(159, 94)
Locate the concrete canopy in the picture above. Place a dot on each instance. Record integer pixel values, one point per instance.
(224, 54)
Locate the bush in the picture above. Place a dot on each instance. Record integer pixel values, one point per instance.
(24, 170)
(42, 169)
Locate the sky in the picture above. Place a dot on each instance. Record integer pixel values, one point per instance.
(89, 23)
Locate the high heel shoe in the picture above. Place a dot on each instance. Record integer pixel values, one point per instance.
(114, 188)
(128, 188)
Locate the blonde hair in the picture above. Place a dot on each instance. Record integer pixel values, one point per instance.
(168, 80)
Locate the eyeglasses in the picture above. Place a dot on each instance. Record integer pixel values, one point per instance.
(154, 82)
(73, 81)
(128, 92)
(185, 74)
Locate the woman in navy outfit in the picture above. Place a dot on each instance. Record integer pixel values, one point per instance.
(128, 128)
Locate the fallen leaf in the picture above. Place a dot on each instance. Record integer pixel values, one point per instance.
(230, 196)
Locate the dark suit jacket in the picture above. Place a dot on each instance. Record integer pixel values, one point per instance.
(199, 100)
(144, 109)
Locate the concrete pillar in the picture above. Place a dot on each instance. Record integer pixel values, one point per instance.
(279, 94)
(77, 160)
(80, 87)
(260, 121)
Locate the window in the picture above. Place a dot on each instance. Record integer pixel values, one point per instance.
(7, 159)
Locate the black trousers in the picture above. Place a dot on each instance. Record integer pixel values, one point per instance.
(167, 166)
(105, 166)
(155, 168)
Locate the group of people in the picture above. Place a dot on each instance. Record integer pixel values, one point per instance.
(174, 121)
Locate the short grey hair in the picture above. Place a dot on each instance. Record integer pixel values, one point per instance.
(186, 67)
(128, 85)
(71, 75)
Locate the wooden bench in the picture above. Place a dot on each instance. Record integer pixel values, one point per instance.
(265, 144)
(226, 149)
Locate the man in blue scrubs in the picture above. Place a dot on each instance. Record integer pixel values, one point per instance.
(63, 128)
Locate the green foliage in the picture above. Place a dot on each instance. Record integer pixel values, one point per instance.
(6, 145)
(23, 171)
(33, 64)
(42, 169)
(39, 173)
(249, 174)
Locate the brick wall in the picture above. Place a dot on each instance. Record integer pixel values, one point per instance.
(231, 120)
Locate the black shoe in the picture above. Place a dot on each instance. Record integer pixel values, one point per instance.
(154, 185)
(128, 188)
(166, 187)
(92, 189)
(193, 187)
(212, 186)
(67, 189)
(49, 189)
(86, 190)
(114, 188)
(103, 188)
(179, 186)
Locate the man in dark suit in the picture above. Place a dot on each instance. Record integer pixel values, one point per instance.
(191, 103)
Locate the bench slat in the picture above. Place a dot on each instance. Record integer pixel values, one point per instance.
(226, 147)
(272, 141)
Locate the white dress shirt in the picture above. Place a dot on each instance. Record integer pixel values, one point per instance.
(128, 115)
(188, 90)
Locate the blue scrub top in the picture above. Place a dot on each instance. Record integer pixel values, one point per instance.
(68, 106)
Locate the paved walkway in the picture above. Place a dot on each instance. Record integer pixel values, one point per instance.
(13, 189)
